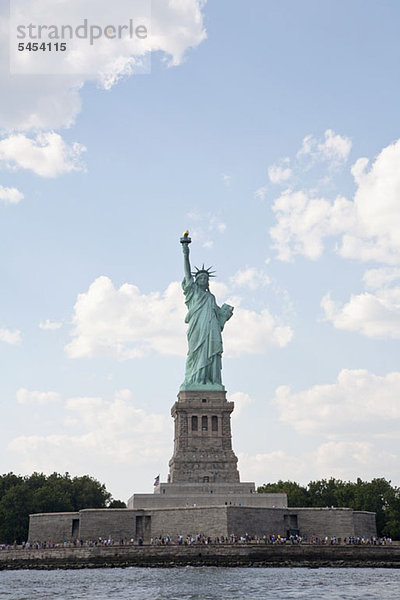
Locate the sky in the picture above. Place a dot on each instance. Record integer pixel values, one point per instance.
(271, 131)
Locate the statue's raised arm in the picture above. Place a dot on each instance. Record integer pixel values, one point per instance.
(206, 321)
(185, 241)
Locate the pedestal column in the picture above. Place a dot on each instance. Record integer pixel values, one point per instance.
(203, 441)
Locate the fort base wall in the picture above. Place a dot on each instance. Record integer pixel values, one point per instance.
(213, 521)
(54, 527)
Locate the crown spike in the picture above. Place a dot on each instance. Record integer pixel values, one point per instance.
(203, 270)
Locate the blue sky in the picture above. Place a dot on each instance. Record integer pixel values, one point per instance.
(270, 130)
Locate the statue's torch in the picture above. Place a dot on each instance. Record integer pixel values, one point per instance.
(185, 239)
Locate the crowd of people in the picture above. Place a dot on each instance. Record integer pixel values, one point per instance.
(276, 539)
(200, 539)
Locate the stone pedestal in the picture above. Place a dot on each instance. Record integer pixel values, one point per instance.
(203, 442)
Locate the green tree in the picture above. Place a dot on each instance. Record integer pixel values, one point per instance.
(392, 516)
(37, 493)
(54, 495)
(325, 492)
(345, 495)
(15, 507)
(8, 481)
(297, 495)
(378, 496)
(117, 504)
(89, 493)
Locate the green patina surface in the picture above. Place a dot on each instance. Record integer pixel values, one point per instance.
(205, 321)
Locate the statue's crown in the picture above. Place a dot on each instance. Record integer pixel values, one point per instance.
(203, 270)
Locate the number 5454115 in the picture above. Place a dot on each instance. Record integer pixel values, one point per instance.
(44, 46)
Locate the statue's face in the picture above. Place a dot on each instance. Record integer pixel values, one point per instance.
(202, 281)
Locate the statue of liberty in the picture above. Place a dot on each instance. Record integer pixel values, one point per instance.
(206, 321)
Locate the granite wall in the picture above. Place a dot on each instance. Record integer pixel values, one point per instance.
(234, 555)
(55, 527)
(152, 501)
(364, 523)
(209, 521)
(115, 523)
(90, 524)
(256, 521)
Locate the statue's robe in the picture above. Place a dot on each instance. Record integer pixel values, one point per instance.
(206, 321)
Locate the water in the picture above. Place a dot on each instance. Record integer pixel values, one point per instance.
(201, 584)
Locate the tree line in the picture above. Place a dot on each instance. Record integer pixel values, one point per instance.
(38, 493)
(21, 496)
(378, 496)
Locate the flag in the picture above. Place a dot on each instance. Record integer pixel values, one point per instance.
(156, 480)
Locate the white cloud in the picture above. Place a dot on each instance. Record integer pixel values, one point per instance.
(214, 224)
(25, 396)
(369, 225)
(10, 195)
(261, 193)
(206, 227)
(279, 174)
(117, 420)
(377, 232)
(303, 222)
(334, 148)
(375, 315)
(357, 400)
(251, 332)
(127, 324)
(38, 103)
(46, 155)
(241, 400)
(12, 337)
(43, 103)
(355, 416)
(343, 459)
(50, 325)
(226, 179)
(251, 278)
(377, 278)
(112, 432)
(272, 466)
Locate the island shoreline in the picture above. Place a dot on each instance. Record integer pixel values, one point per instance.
(246, 555)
